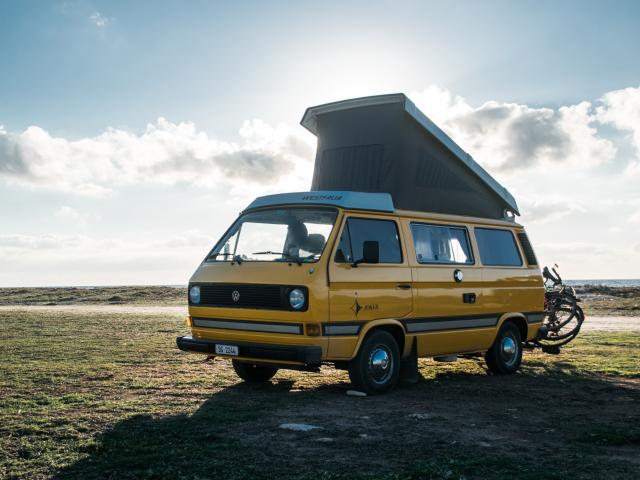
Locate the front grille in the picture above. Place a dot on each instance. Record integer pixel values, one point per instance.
(268, 297)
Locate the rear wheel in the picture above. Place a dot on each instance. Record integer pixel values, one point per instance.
(252, 373)
(505, 355)
(376, 368)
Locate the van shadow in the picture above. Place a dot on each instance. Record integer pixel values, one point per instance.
(235, 434)
(197, 445)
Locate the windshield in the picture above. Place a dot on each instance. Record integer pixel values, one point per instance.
(277, 235)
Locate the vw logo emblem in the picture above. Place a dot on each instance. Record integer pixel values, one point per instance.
(235, 296)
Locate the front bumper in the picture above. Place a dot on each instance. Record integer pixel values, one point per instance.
(305, 355)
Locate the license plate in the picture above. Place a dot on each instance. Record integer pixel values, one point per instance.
(227, 349)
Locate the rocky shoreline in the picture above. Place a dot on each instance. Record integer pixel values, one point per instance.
(595, 299)
(602, 290)
(609, 301)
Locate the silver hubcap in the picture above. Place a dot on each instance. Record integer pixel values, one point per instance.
(509, 350)
(380, 364)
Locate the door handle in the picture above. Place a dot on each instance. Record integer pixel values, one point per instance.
(404, 286)
(469, 297)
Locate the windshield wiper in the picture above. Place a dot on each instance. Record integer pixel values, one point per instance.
(215, 255)
(286, 257)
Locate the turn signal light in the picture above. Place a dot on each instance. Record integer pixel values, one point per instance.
(188, 321)
(313, 329)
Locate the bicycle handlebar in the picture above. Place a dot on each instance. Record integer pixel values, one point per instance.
(557, 274)
(549, 276)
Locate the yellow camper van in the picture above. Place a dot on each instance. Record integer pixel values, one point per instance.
(357, 273)
(304, 279)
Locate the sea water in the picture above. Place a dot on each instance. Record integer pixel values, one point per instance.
(611, 282)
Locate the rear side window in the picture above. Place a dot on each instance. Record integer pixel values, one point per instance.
(527, 249)
(441, 244)
(497, 248)
(359, 230)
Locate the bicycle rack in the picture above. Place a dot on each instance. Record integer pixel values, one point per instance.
(563, 316)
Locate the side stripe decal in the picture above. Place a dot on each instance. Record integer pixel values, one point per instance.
(413, 325)
(534, 317)
(435, 324)
(342, 328)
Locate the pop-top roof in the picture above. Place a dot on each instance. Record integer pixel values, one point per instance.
(378, 115)
(379, 202)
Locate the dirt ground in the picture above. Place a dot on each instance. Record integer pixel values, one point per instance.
(101, 391)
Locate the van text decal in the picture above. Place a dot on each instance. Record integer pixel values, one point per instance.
(322, 197)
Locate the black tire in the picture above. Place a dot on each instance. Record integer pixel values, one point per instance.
(500, 359)
(376, 368)
(252, 373)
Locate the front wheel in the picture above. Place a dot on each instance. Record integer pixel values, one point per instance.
(505, 355)
(376, 368)
(252, 373)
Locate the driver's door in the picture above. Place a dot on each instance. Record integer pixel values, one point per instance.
(359, 294)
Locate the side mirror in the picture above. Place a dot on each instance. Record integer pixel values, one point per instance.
(370, 253)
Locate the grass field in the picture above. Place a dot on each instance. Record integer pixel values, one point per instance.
(90, 394)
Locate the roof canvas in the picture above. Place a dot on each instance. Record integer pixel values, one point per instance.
(388, 137)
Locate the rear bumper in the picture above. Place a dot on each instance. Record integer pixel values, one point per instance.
(306, 355)
(542, 333)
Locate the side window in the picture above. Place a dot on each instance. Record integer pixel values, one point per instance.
(527, 249)
(497, 247)
(440, 244)
(343, 254)
(359, 230)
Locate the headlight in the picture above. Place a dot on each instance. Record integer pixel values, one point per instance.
(194, 294)
(296, 299)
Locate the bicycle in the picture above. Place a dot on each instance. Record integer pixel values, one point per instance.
(563, 316)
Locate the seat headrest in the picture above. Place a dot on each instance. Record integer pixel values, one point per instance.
(314, 243)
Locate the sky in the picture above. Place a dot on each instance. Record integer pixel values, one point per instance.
(133, 133)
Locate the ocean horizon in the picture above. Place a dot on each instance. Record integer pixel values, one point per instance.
(607, 282)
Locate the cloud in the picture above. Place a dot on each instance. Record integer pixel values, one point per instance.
(99, 20)
(28, 244)
(621, 109)
(73, 216)
(440, 104)
(506, 138)
(18, 242)
(558, 250)
(190, 238)
(52, 259)
(165, 153)
(67, 213)
(510, 137)
(547, 210)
